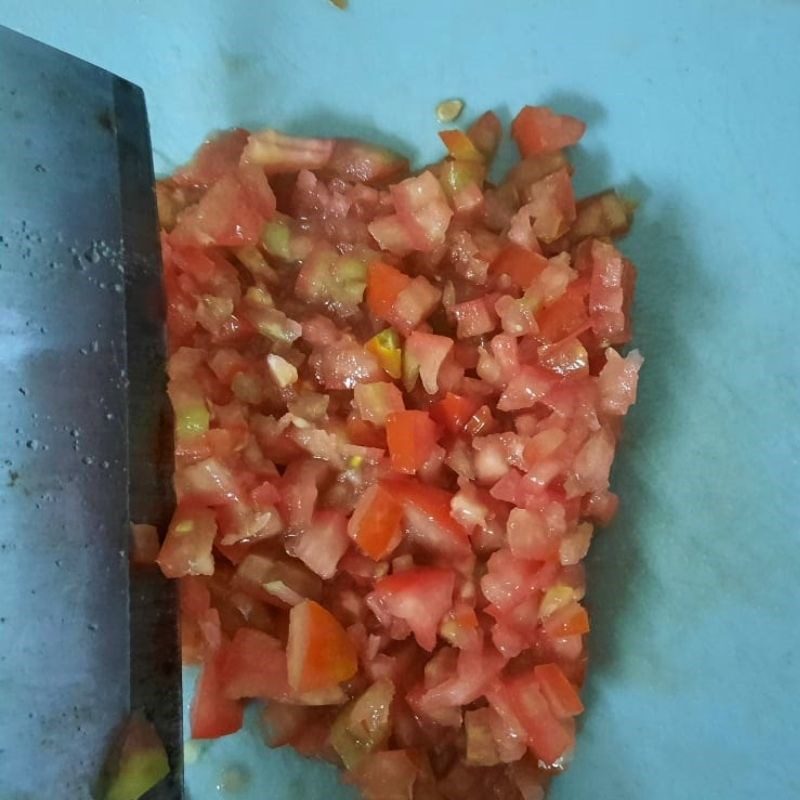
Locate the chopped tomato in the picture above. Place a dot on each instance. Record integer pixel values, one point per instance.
(231, 213)
(145, 544)
(214, 159)
(319, 653)
(560, 693)
(454, 411)
(187, 546)
(570, 620)
(549, 738)
(411, 436)
(420, 597)
(460, 146)
(427, 510)
(384, 284)
(375, 526)
(523, 266)
(537, 130)
(213, 714)
(397, 401)
(254, 665)
(566, 316)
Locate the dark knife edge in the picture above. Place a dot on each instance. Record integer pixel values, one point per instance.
(155, 647)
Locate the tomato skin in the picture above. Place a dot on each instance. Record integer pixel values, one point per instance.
(460, 146)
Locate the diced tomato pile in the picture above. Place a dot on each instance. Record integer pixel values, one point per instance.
(397, 397)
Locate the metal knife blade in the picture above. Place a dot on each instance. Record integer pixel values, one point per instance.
(85, 447)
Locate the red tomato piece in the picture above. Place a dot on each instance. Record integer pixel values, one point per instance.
(537, 130)
(319, 653)
(411, 437)
(562, 696)
(213, 714)
(523, 266)
(427, 511)
(549, 738)
(231, 213)
(420, 597)
(214, 159)
(454, 411)
(254, 665)
(567, 315)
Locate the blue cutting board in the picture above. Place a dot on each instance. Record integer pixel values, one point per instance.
(694, 109)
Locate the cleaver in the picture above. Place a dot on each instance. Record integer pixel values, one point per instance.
(85, 442)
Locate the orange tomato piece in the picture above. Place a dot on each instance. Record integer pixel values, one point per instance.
(376, 524)
(384, 283)
(567, 315)
(570, 620)
(411, 436)
(460, 146)
(319, 652)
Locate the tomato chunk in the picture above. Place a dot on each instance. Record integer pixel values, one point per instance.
(537, 130)
(419, 597)
(213, 714)
(411, 436)
(319, 653)
(376, 524)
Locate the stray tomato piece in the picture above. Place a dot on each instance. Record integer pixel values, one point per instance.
(460, 146)
(187, 546)
(319, 653)
(144, 545)
(213, 714)
(537, 129)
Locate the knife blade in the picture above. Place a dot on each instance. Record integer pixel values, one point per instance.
(85, 448)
